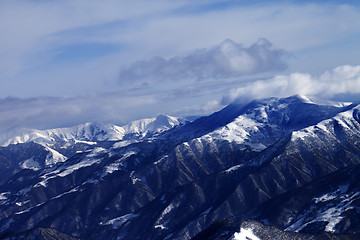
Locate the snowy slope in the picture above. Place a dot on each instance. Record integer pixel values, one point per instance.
(265, 120)
(148, 126)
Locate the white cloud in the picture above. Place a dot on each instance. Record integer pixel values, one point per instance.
(131, 104)
(340, 80)
(229, 59)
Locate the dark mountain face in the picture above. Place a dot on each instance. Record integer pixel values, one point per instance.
(287, 164)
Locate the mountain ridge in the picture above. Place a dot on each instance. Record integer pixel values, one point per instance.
(230, 166)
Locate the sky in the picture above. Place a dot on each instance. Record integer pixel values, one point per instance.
(69, 62)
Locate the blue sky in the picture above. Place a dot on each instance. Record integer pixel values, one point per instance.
(67, 62)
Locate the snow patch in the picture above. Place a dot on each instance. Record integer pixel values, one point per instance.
(166, 211)
(161, 160)
(116, 223)
(3, 198)
(325, 197)
(65, 193)
(118, 164)
(3, 195)
(97, 151)
(122, 144)
(234, 168)
(85, 142)
(30, 164)
(72, 168)
(162, 227)
(336, 203)
(134, 179)
(54, 157)
(299, 135)
(22, 203)
(245, 234)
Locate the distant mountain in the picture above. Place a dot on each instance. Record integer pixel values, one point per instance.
(275, 168)
(89, 133)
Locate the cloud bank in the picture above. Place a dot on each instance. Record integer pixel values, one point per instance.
(228, 59)
(341, 80)
(121, 107)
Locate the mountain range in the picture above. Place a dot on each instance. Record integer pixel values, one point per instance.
(275, 168)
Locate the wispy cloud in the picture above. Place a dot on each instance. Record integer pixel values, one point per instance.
(228, 59)
(338, 81)
(51, 112)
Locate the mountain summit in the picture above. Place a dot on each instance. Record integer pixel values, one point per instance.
(275, 168)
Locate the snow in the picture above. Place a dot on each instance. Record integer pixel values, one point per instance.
(122, 144)
(336, 203)
(3, 195)
(54, 157)
(65, 193)
(118, 164)
(87, 133)
(22, 203)
(134, 179)
(161, 160)
(244, 130)
(85, 142)
(332, 216)
(66, 170)
(96, 151)
(326, 197)
(305, 99)
(234, 168)
(299, 135)
(30, 164)
(236, 131)
(42, 183)
(22, 212)
(3, 198)
(245, 234)
(116, 223)
(162, 227)
(77, 166)
(323, 125)
(166, 211)
(152, 125)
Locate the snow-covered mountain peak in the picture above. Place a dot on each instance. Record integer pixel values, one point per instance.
(298, 98)
(86, 132)
(92, 132)
(262, 120)
(143, 127)
(164, 122)
(96, 131)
